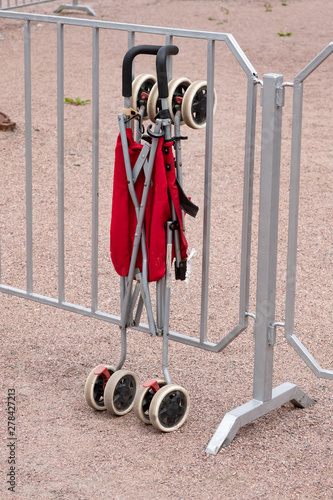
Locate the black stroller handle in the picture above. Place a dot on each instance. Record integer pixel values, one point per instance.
(127, 64)
(162, 77)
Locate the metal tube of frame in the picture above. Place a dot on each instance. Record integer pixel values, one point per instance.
(168, 265)
(130, 44)
(268, 235)
(293, 207)
(28, 153)
(207, 191)
(95, 167)
(169, 41)
(61, 197)
(247, 200)
(295, 168)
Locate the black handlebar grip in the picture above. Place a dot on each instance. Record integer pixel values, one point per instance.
(127, 64)
(162, 77)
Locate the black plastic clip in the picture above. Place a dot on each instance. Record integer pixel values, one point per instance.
(180, 272)
(179, 138)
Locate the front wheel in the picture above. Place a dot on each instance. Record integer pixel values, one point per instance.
(94, 388)
(120, 392)
(177, 89)
(194, 107)
(141, 88)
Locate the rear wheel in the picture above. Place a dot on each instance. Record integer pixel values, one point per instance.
(169, 408)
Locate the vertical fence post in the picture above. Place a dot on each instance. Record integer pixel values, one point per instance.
(250, 132)
(268, 235)
(61, 193)
(95, 168)
(208, 190)
(28, 152)
(265, 398)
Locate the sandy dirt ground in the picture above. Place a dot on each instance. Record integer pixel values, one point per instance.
(64, 449)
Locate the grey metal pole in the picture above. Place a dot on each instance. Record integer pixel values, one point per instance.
(95, 168)
(61, 161)
(208, 191)
(28, 152)
(268, 234)
(167, 303)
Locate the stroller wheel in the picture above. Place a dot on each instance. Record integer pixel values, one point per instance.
(194, 105)
(169, 408)
(154, 103)
(177, 89)
(120, 391)
(141, 88)
(94, 389)
(142, 401)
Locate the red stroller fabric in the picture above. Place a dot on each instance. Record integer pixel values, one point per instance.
(157, 213)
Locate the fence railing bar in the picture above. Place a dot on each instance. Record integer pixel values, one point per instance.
(95, 167)
(207, 190)
(61, 191)
(320, 58)
(156, 30)
(240, 56)
(67, 306)
(28, 153)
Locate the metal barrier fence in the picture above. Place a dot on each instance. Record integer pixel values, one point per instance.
(265, 398)
(16, 4)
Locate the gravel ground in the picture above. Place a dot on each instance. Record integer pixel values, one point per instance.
(64, 448)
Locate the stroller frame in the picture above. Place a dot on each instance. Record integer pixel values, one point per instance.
(141, 289)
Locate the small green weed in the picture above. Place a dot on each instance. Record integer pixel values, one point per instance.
(284, 3)
(284, 34)
(77, 102)
(268, 7)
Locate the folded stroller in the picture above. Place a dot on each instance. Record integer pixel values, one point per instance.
(147, 235)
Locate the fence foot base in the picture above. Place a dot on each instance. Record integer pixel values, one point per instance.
(254, 409)
(83, 8)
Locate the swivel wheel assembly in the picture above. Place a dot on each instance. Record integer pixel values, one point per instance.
(164, 406)
(95, 385)
(141, 89)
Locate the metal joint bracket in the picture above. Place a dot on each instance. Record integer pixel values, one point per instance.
(271, 332)
(256, 81)
(250, 315)
(280, 96)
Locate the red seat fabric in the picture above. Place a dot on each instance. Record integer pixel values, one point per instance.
(157, 213)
